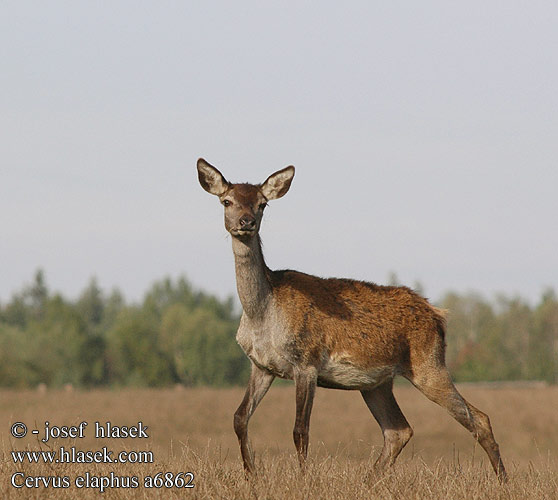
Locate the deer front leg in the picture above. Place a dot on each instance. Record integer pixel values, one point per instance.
(305, 385)
(258, 384)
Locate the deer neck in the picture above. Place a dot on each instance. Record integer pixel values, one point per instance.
(252, 282)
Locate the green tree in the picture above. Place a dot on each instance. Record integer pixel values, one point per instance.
(134, 355)
(53, 345)
(202, 347)
(543, 341)
(13, 370)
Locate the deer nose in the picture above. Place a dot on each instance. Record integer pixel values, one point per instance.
(247, 222)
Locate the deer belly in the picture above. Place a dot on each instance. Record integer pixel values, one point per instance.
(340, 373)
(264, 355)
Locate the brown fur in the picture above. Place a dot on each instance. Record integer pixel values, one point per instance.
(379, 325)
(336, 333)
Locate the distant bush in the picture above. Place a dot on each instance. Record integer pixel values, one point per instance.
(181, 335)
(177, 335)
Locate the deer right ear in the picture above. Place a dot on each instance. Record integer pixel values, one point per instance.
(211, 179)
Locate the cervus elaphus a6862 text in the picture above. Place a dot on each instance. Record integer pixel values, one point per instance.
(335, 333)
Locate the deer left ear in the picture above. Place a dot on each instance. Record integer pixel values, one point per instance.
(277, 184)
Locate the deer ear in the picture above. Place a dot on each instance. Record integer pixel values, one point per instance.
(277, 184)
(211, 179)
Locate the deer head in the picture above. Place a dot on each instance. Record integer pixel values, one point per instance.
(244, 203)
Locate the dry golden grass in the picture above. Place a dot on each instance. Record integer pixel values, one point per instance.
(190, 430)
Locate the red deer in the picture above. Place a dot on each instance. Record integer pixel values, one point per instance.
(334, 333)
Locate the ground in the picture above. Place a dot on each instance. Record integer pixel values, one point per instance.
(190, 430)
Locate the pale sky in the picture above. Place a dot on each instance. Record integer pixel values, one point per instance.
(424, 136)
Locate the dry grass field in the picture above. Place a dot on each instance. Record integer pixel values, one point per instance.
(190, 430)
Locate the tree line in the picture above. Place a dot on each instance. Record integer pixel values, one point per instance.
(180, 335)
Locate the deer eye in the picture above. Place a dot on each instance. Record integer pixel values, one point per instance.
(227, 203)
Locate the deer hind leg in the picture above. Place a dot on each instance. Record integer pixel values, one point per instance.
(395, 428)
(436, 385)
(259, 383)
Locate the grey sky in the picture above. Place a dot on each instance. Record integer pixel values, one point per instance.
(425, 137)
